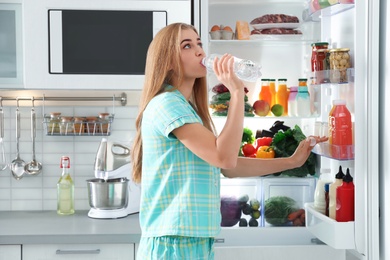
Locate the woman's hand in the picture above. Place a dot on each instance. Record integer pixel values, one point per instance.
(224, 70)
(304, 149)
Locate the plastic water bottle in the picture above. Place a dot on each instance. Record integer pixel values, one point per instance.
(245, 69)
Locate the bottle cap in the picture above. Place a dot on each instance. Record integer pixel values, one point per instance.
(347, 178)
(65, 162)
(339, 102)
(340, 174)
(326, 186)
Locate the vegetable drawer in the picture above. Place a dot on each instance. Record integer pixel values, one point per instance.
(339, 235)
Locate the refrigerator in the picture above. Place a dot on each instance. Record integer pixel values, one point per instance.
(362, 27)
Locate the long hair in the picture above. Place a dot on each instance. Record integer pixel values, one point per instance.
(162, 65)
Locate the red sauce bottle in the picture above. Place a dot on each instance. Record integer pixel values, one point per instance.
(345, 200)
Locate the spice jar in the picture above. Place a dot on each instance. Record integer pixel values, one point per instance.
(66, 125)
(92, 128)
(53, 126)
(78, 125)
(339, 62)
(104, 122)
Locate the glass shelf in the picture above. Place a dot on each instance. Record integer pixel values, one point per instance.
(313, 14)
(337, 152)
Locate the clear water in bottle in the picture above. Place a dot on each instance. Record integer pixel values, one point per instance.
(245, 69)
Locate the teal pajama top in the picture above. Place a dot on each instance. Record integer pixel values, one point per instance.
(180, 192)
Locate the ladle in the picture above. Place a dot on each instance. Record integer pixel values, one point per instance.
(3, 160)
(17, 165)
(33, 167)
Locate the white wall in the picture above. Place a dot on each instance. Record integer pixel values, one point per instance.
(39, 192)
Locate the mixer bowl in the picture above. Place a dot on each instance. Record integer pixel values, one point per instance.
(108, 194)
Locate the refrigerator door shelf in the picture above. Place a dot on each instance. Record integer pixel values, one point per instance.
(337, 152)
(339, 235)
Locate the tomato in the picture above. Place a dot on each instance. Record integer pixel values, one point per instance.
(248, 150)
(265, 152)
(263, 141)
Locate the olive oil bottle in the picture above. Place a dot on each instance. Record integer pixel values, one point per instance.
(65, 189)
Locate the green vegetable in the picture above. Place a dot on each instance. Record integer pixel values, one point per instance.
(255, 204)
(285, 143)
(253, 222)
(248, 136)
(225, 96)
(243, 223)
(277, 209)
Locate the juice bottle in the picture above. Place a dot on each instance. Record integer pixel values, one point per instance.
(265, 92)
(272, 88)
(345, 200)
(340, 130)
(292, 101)
(281, 96)
(65, 189)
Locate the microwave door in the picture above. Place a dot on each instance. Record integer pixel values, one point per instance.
(101, 42)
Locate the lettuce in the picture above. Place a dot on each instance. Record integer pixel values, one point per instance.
(285, 143)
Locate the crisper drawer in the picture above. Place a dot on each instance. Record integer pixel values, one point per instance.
(339, 235)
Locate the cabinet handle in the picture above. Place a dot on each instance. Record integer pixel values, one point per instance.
(78, 252)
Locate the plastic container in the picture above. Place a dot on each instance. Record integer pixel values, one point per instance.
(332, 192)
(303, 108)
(340, 130)
(292, 102)
(281, 96)
(65, 189)
(319, 193)
(294, 192)
(345, 200)
(245, 69)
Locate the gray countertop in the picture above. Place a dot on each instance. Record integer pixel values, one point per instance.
(46, 227)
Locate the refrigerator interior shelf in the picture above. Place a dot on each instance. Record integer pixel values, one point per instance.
(315, 15)
(255, 40)
(339, 235)
(337, 152)
(88, 126)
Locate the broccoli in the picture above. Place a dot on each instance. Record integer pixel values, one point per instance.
(248, 136)
(276, 210)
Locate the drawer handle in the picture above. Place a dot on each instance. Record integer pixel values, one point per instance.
(78, 252)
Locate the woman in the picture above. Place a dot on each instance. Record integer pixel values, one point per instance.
(178, 154)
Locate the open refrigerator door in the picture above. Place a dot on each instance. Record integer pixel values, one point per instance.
(344, 25)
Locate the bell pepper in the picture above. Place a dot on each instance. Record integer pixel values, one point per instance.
(263, 141)
(265, 152)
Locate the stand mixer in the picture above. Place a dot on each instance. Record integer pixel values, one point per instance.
(108, 195)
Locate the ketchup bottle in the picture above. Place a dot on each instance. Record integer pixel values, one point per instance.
(345, 200)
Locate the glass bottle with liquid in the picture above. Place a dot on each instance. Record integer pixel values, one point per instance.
(272, 88)
(303, 99)
(65, 189)
(265, 92)
(292, 102)
(281, 96)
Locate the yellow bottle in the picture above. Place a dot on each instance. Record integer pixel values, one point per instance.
(272, 88)
(65, 189)
(282, 95)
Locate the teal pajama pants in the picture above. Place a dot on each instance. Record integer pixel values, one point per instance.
(175, 248)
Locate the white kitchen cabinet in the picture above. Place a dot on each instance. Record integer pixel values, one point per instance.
(79, 251)
(11, 56)
(321, 252)
(10, 252)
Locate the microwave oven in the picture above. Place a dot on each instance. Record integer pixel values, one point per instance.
(93, 44)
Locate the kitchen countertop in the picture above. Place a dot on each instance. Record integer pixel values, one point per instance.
(46, 227)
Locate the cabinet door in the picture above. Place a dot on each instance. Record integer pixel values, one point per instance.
(81, 252)
(321, 252)
(11, 58)
(10, 252)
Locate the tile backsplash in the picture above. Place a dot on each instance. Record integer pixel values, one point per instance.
(39, 192)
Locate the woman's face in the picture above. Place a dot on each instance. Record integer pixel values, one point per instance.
(191, 53)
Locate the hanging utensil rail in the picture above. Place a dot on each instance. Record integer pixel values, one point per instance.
(122, 99)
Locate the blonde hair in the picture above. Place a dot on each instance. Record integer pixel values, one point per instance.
(163, 59)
